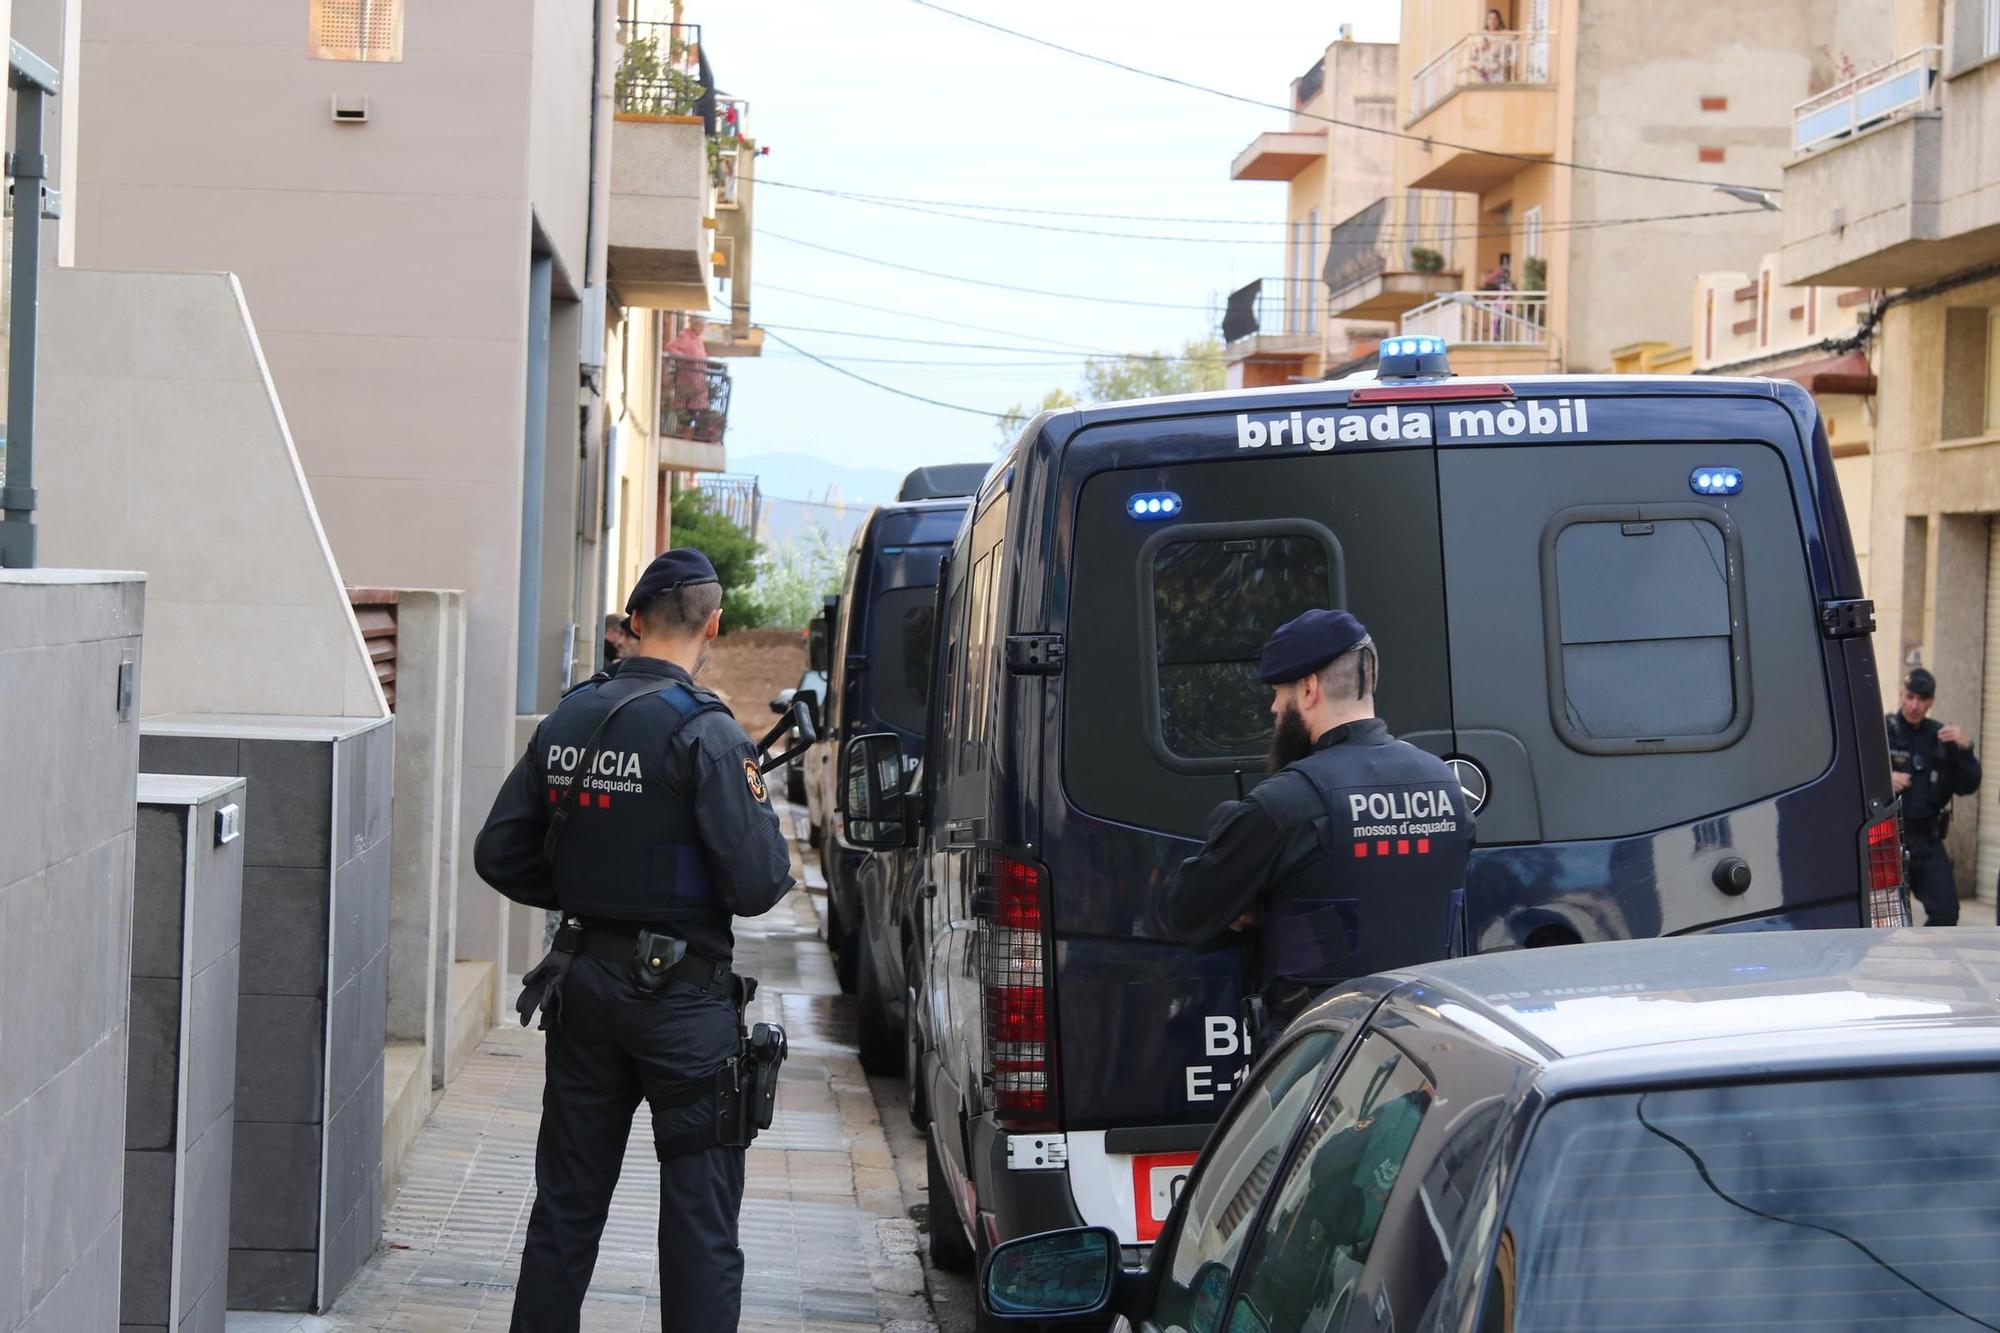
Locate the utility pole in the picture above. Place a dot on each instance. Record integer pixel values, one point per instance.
(34, 81)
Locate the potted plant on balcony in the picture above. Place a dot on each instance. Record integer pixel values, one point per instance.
(655, 82)
(1426, 260)
(1534, 274)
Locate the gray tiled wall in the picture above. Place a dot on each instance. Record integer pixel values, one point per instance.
(180, 1089)
(314, 968)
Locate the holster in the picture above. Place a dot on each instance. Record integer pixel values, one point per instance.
(744, 1090)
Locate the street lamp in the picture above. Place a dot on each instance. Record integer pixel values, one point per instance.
(1761, 198)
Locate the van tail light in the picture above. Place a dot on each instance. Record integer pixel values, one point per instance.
(1008, 907)
(1882, 871)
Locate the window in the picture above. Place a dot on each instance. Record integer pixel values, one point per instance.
(1993, 351)
(357, 30)
(1831, 1203)
(1235, 1172)
(1531, 232)
(1215, 599)
(900, 656)
(1645, 640)
(1315, 1241)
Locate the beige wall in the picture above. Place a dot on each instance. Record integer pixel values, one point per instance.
(161, 447)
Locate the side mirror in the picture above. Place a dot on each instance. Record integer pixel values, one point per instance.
(1056, 1275)
(806, 703)
(819, 635)
(871, 779)
(781, 702)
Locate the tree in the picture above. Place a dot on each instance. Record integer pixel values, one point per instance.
(794, 581)
(1108, 379)
(729, 547)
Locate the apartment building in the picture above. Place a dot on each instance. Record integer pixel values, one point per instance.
(1553, 267)
(1280, 328)
(1894, 184)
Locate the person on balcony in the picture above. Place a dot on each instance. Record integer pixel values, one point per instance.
(687, 370)
(1493, 52)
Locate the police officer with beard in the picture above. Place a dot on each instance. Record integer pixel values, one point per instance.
(1929, 764)
(639, 813)
(1346, 860)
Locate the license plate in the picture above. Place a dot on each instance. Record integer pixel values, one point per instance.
(1157, 1181)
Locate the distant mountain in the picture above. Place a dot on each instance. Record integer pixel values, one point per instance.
(803, 477)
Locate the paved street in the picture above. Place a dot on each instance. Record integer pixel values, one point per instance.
(827, 1233)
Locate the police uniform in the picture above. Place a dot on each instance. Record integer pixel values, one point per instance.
(1938, 771)
(1350, 857)
(670, 835)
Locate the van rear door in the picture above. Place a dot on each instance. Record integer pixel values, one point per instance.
(1158, 715)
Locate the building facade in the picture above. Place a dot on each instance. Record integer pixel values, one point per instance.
(1894, 184)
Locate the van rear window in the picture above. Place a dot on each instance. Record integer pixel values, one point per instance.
(899, 654)
(1214, 602)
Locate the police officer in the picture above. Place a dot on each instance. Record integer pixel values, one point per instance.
(1929, 764)
(638, 812)
(1346, 861)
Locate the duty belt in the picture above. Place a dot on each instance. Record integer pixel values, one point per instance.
(615, 943)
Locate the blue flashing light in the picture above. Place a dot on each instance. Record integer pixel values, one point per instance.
(1716, 481)
(1154, 505)
(1407, 355)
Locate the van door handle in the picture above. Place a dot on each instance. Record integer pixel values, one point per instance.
(930, 890)
(962, 830)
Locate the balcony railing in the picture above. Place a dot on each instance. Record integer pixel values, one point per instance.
(1270, 306)
(1484, 59)
(660, 71)
(694, 399)
(1907, 83)
(725, 149)
(1518, 319)
(1388, 235)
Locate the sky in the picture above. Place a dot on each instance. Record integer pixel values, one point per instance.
(891, 98)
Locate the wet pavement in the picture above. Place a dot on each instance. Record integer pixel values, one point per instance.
(827, 1234)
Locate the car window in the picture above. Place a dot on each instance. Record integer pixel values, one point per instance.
(1315, 1240)
(1822, 1204)
(900, 656)
(1236, 1170)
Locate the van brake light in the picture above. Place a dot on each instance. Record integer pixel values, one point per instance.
(1431, 393)
(1883, 864)
(1013, 992)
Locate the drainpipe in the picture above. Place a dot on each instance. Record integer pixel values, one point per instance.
(33, 80)
(534, 474)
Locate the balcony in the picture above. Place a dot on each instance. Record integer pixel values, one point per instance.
(1378, 266)
(1486, 102)
(694, 413)
(1869, 201)
(735, 174)
(1489, 332)
(660, 254)
(1278, 155)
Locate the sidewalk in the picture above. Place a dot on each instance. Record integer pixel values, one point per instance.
(825, 1238)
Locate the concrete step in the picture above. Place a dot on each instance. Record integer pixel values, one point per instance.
(406, 1104)
(474, 991)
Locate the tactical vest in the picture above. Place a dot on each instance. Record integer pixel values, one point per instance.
(1393, 840)
(631, 851)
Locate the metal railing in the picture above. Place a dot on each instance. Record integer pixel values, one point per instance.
(1269, 306)
(731, 139)
(1517, 319)
(694, 399)
(738, 499)
(1484, 59)
(1388, 234)
(1906, 83)
(659, 73)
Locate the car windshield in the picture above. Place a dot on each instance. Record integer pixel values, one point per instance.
(1826, 1204)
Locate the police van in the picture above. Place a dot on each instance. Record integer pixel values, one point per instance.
(1625, 609)
(877, 660)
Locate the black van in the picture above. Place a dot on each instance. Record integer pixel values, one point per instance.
(1627, 606)
(878, 663)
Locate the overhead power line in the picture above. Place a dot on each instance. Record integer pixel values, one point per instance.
(912, 314)
(976, 282)
(876, 384)
(1309, 115)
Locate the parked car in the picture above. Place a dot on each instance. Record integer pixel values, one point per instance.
(1772, 1131)
(813, 684)
(1580, 585)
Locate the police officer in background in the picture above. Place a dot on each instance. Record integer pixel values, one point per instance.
(1346, 861)
(1929, 764)
(639, 812)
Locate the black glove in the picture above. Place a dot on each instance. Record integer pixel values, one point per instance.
(542, 987)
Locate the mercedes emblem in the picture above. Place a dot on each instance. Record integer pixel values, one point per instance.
(1471, 779)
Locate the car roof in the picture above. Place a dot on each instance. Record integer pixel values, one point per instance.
(1710, 1000)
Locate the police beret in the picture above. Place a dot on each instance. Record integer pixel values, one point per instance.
(1921, 683)
(1303, 645)
(677, 568)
